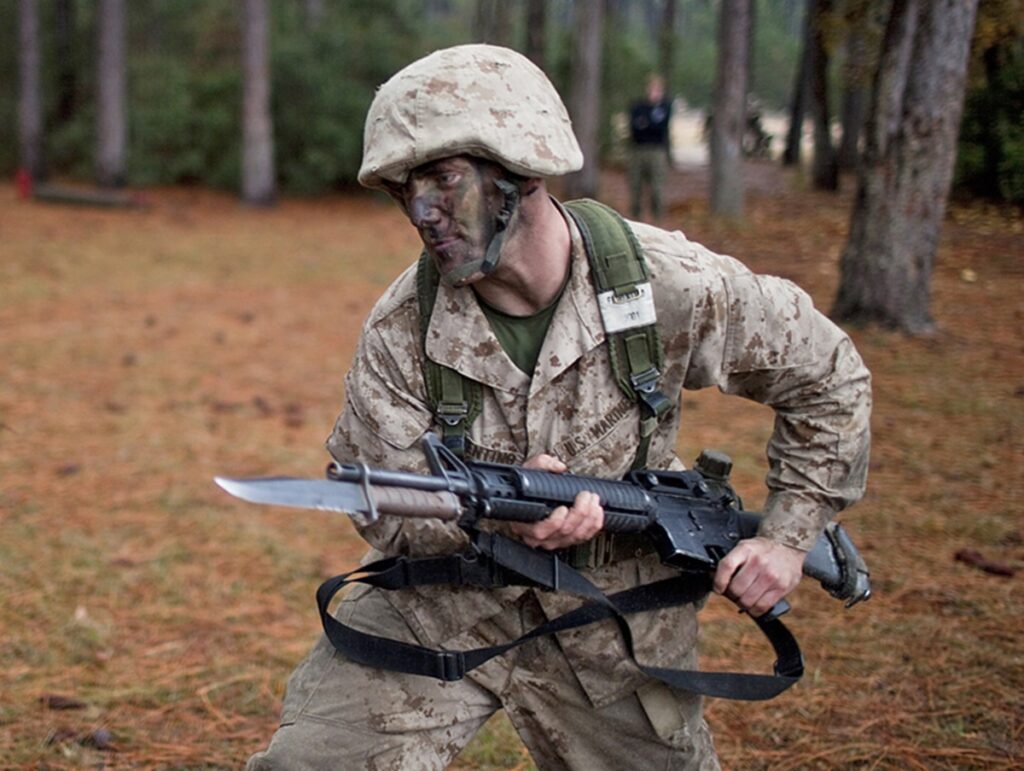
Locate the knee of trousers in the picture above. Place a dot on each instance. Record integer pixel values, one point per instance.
(308, 745)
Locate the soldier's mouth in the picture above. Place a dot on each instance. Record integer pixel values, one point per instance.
(441, 246)
(443, 243)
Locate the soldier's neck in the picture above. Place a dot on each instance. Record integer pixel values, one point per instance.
(534, 261)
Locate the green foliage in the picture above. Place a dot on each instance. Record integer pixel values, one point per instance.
(991, 150)
(184, 93)
(1011, 168)
(697, 56)
(8, 86)
(777, 49)
(184, 80)
(68, 145)
(185, 88)
(627, 64)
(161, 144)
(323, 83)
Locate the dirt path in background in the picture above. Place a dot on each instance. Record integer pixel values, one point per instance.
(145, 351)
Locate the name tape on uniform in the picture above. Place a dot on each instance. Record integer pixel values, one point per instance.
(628, 311)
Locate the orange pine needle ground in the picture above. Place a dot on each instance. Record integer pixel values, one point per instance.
(145, 351)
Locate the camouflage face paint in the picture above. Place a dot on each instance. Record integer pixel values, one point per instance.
(453, 203)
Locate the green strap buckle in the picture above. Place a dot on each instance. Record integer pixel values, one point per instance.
(646, 381)
(452, 414)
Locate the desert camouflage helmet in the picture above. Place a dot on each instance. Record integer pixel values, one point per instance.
(480, 100)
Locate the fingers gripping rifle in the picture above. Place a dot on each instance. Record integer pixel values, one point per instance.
(693, 519)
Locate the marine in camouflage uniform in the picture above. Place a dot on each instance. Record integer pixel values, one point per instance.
(576, 700)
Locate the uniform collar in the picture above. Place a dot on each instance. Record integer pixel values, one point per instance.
(460, 337)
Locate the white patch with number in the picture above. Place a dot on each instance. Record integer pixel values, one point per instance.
(635, 309)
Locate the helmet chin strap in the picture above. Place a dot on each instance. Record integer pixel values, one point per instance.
(502, 220)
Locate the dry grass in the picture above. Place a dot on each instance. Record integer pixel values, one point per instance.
(145, 351)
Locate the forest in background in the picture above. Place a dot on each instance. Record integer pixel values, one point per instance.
(185, 82)
(184, 79)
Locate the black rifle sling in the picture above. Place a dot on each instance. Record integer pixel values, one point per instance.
(499, 561)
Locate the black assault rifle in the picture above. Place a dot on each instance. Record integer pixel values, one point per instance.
(692, 518)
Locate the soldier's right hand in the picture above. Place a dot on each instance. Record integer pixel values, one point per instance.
(566, 525)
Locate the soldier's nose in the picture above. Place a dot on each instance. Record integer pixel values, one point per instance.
(423, 211)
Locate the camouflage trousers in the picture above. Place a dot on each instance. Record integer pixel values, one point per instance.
(339, 714)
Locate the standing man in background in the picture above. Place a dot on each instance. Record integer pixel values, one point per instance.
(648, 131)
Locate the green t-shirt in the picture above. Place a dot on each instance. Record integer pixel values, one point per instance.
(521, 336)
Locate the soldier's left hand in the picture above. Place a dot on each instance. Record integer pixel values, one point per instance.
(566, 525)
(759, 572)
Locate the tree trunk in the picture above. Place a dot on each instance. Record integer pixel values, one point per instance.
(752, 49)
(258, 186)
(907, 167)
(798, 105)
(111, 119)
(503, 27)
(492, 22)
(667, 46)
(727, 189)
(794, 12)
(585, 97)
(30, 99)
(537, 32)
(852, 112)
(67, 61)
(859, 61)
(314, 14)
(651, 16)
(483, 11)
(825, 165)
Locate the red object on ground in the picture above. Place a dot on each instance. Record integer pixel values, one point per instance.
(23, 182)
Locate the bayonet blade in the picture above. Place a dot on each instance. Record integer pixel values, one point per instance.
(321, 494)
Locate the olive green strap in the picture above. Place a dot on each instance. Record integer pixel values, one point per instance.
(620, 274)
(457, 400)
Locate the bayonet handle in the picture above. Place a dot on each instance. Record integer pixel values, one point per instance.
(409, 502)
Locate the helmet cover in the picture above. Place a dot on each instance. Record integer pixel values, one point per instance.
(480, 100)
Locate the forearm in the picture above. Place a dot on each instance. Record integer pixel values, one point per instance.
(818, 452)
(776, 349)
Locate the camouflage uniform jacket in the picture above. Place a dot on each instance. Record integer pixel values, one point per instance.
(720, 325)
